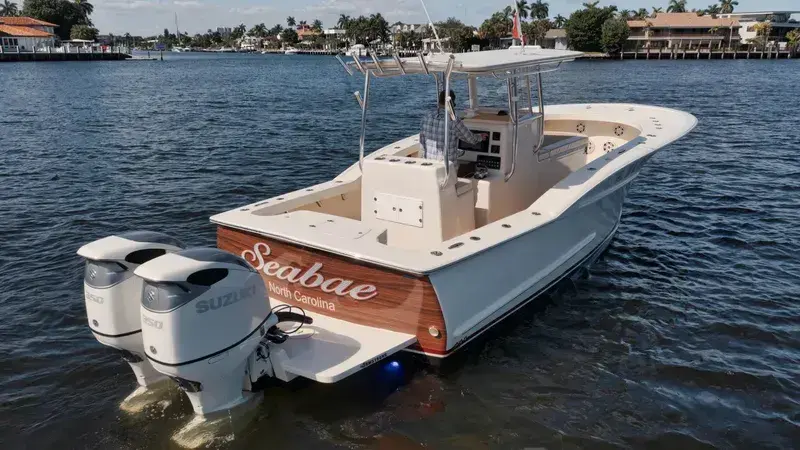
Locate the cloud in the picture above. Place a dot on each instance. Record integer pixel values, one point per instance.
(187, 3)
(132, 4)
(252, 10)
(155, 5)
(357, 7)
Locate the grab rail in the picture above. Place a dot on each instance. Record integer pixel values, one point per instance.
(364, 105)
(541, 114)
(448, 110)
(513, 107)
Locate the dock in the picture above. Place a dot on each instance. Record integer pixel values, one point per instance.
(705, 53)
(66, 54)
(277, 51)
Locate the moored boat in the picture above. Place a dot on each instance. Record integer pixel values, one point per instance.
(396, 253)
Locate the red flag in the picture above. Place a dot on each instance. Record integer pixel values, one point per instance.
(517, 30)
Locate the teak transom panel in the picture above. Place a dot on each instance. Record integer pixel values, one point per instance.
(342, 288)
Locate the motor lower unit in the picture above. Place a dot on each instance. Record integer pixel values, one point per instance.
(112, 293)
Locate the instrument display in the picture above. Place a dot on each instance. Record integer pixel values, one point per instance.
(480, 147)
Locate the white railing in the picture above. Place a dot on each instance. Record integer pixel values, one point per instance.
(66, 49)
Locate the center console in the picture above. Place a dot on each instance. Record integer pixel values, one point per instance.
(488, 153)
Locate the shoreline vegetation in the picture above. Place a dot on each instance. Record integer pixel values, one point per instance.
(592, 29)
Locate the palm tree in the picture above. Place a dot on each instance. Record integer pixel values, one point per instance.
(625, 13)
(591, 5)
(713, 10)
(317, 25)
(291, 22)
(726, 6)
(641, 14)
(303, 22)
(763, 29)
(85, 8)
(656, 10)
(676, 6)
(559, 21)
(508, 12)
(540, 10)
(793, 39)
(344, 20)
(523, 8)
(8, 9)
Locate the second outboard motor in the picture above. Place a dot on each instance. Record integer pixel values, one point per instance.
(113, 294)
(204, 314)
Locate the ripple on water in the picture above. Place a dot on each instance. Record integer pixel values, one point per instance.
(686, 335)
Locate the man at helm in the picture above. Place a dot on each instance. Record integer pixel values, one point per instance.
(431, 136)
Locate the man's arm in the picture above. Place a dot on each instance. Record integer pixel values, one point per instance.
(464, 134)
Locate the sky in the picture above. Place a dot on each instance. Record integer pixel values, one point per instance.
(150, 17)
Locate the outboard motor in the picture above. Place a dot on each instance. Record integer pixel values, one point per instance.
(204, 314)
(113, 294)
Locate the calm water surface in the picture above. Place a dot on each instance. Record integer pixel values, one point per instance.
(686, 335)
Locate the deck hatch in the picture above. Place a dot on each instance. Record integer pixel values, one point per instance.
(394, 208)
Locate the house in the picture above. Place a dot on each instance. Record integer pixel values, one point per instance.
(305, 31)
(781, 22)
(334, 33)
(25, 34)
(334, 38)
(250, 43)
(400, 27)
(683, 30)
(555, 38)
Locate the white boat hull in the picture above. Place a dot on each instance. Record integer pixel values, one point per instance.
(518, 271)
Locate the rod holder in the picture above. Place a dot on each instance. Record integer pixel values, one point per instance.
(358, 64)
(376, 61)
(423, 63)
(399, 63)
(341, 61)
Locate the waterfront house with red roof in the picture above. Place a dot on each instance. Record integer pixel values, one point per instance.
(682, 30)
(25, 34)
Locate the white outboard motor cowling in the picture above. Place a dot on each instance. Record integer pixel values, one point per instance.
(112, 293)
(204, 313)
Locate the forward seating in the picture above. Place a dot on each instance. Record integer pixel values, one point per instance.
(403, 196)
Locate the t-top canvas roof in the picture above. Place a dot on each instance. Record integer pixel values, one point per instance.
(470, 63)
(510, 59)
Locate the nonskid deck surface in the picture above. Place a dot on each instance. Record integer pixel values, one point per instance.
(278, 218)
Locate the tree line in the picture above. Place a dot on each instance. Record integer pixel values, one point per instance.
(591, 28)
(72, 17)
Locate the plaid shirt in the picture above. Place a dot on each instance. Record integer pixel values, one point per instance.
(431, 136)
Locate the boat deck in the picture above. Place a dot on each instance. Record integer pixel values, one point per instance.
(276, 217)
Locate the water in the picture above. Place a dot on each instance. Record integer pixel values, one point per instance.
(686, 335)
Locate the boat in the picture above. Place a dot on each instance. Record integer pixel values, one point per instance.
(291, 51)
(356, 50)
(397, 253)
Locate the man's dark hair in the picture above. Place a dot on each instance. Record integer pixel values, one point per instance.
(442, 97)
